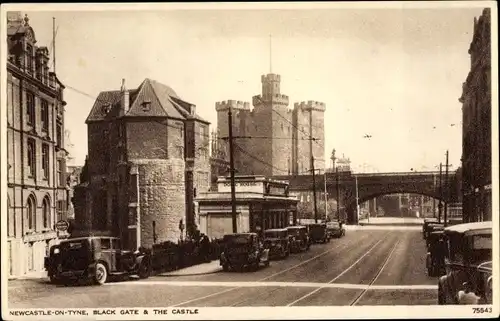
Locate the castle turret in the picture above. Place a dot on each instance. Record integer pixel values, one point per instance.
(308, 136)
(241, 120)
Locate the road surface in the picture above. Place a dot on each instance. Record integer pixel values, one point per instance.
(366, 267)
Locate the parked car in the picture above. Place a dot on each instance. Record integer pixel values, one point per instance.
(435, 254)
(243, 250)
(299, 238)
(428, 221)
(318, 233)
(432, 227)
(278, 242)
(94, 259)
(468, 265)
(335, 229)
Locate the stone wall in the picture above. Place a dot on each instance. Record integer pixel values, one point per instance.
(162, 198)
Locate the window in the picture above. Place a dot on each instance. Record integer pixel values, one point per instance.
(30, 108)
(60, 210)
(29, 58)
(59, 135)
(45, 160)
(46, 212)
(146, 106)
(105, 244)
(45, 116)
(31, 157)
(60, 176)
(10, 219)
(31, 213)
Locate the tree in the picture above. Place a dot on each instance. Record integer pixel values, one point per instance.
(305, 210)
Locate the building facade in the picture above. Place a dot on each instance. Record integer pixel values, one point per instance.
(148, 157)
(270, 138)
(37, 192)
(476, 122)
(261, 204)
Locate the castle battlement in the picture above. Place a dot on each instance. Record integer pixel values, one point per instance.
(270, 77)
(310, 105)
(276, 99)
(235, 104)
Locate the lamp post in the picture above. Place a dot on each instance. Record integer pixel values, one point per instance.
(357, 198)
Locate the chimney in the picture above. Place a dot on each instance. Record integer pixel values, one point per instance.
(125, 100)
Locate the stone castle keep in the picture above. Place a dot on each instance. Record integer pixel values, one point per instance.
(277, 139)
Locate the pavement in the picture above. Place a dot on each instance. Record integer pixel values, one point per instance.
(199, 269)
(365, 267)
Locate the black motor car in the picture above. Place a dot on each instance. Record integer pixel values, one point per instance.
(468, 278)
(243, 250)
(318, 233)
(94, 259)
(335, 229)
(299, 238)
(278, 242)
(436, 251)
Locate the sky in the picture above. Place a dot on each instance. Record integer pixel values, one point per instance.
(394, 74)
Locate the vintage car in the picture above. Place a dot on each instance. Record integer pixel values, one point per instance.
(278, 242)
(318, 233)
(468, 255)
(94, 259)
(435, 254)
(428, 221)
(243, 250)
(299, 238)
(335, 229)
(433, 227)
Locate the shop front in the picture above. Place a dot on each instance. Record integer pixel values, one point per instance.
(261, 204)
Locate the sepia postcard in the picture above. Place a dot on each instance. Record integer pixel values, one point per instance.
(281, 160)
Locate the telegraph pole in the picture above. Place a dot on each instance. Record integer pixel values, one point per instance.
(446, 192)
(314, 191)
(338, 193)
(326, 198)
(440, 205)
(231, 169)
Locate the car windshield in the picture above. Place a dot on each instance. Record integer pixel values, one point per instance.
(237, 239)
(73, 245)
(273, 234)
(481, 248)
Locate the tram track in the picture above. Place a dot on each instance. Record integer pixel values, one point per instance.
(363, 292)
(340, 246)
(341, 274)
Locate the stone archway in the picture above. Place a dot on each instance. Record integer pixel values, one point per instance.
(351, 203)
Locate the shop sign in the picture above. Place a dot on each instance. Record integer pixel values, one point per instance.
(242, 186)
(62, 225)
(273, 189)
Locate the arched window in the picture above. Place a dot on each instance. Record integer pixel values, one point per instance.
(31, 213)
(46, 212)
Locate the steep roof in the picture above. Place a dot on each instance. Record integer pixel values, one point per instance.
(163, 102)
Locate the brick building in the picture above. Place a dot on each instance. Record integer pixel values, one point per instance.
(148, 156)
(476, 122)
(36, 157)
(277, 139)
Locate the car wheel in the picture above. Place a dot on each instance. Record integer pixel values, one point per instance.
(225, 267)
(101, 274)
(144, 270)
(266, 264)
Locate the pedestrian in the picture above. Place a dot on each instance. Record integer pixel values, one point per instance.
(205, 248)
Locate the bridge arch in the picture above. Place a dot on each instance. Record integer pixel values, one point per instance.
(351, 203)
